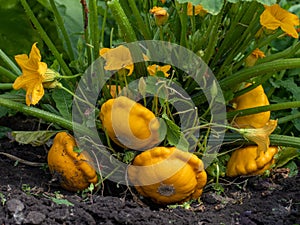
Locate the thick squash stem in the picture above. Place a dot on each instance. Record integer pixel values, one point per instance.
(47, 116)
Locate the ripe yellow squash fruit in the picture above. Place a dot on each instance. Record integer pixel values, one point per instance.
(130, 124)
(254, 98)
(168, 175)
(73, 169)
(245, 161)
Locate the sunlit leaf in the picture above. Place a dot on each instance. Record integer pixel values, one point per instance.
(35, 138)
(286, 155)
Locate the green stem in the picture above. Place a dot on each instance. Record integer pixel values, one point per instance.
(85, 11)
(46, 38)
(63, 30)
(94, 27)
(139, 20)
(288, 118)
(121, 19)
(275, 140)
(5, 86)
(47, 116)
(287, 53)
(9, 63)
(272, 107)
(213, 34)
(103, 26)
(75, 96)
(259, 70)
(69, 77)
(7, 74)
(182, 12)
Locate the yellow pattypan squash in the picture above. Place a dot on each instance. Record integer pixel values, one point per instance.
(72, 169)
(245, 161)
(168, 175)
(254, 98)
(129, 124)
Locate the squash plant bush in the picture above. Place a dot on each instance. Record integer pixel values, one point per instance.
(251, 47)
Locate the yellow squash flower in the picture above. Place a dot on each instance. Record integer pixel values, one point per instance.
(198, 9)
(153, 69)
(274, 16)
(161, 15)
(253, 57)
(118, 58)
(34, 73)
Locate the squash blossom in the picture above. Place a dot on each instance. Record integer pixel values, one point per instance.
(34, 75)
(118, 58)
(198, 10)
(274, 16)
(153, 69)
(161, 15)
(168, 175)
(253, 57)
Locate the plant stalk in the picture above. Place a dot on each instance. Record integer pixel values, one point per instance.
(259, 70)
(8, 74)
(63, 30)
(46, 38)
(122, 20)
(272, 107)
(47, 116)
(9, 63)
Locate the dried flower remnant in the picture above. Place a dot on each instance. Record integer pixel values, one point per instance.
(253, 57)
(161, 15)
(153, 69)
(195, 10)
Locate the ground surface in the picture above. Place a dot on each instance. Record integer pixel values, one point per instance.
(27, 196)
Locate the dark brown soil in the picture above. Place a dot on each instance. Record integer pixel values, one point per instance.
(29, 196)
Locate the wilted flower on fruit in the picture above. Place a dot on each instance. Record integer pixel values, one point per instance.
(274, 16)
(34, 74)
(260, 135)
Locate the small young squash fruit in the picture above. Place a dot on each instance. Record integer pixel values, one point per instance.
(245, 161)
(129, 124)
(254, 98)
(73, 169)
(168, 175)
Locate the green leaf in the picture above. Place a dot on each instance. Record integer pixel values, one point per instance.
(265, 2)
(35, 138)
(60, 201)
(292, 166)
(4, 131)
(17, 33)
(286, 155)
(174, 135)
(63, 102)
(71, 13)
